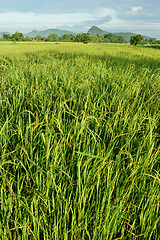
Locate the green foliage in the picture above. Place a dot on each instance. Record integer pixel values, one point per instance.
(98, 39)
(52, 37)
(6, 36)
(87, 37)
(29, 39)
(153, 41)
(83, 37)
(98, 36)
(135, 40)
(79, 141)
(39, 38)
(68, 38)
(17, 36)
(112, 38)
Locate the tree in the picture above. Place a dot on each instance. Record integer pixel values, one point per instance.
(135, 40)
(83, 37)
(78, 37)
(52, 37)
(6, 36)
(112, 38)
(39, 38)
(153, 41)
(28, 39)
(17, 36)
(87, 37)
(144, 42)
(97, 39)
(67, 37)
(122, 40)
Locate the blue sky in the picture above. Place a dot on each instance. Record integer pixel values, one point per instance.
(139, 16)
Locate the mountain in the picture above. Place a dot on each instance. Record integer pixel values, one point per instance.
(1, 34)
(97, 31)
(93, 30)
(45, 33)
(126, 35)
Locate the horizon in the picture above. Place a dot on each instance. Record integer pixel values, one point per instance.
(24, 33)
(111, 16)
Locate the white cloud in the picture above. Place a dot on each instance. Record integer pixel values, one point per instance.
(137, 26)
(136, 9)
(16, 20)
(12, 21)
(102, 12)
(106, 18)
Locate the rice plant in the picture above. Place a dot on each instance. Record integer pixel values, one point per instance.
(79, 141)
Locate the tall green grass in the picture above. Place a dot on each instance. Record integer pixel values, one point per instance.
(79, 142)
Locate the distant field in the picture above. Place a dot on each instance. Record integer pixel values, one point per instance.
(13, 48)
(79, 141)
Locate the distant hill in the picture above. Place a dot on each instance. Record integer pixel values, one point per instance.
(97, 31)
(126, 35)
(45, 33)
(93, 30)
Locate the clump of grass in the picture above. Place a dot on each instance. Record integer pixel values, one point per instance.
(79, 145)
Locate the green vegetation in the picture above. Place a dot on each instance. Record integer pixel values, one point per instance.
(97, 31)
(83, 37)
(94, 34)
(53, 37)
(79, 141)
(135, 40)
(111, 38)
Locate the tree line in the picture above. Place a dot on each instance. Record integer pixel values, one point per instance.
(53, 37)
(80, 37)
(139, 39)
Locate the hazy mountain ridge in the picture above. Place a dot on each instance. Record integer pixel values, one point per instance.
(93, 30)
(45, 33)
(98, 31)
(128, 35)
